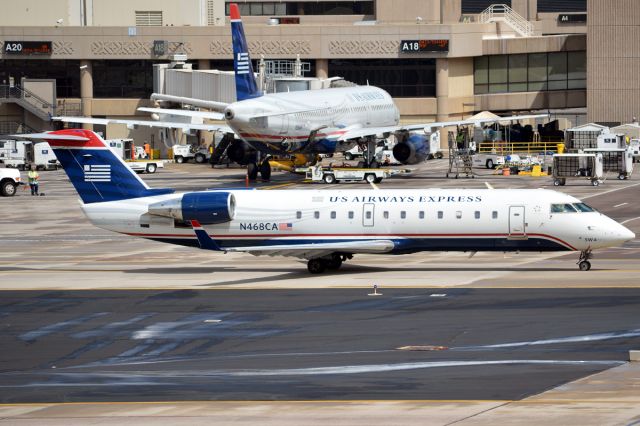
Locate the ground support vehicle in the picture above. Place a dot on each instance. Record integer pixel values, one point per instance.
(9, 182)
(126, 150)
(634, 147)
(489, 161)
(43, 157)
(347, 174)
(580, 166)
(184, 153)
(618, 161)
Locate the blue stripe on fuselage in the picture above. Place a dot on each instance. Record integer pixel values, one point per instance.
(402, 246)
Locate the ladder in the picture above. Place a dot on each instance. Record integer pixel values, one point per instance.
(460, 161)
(220, 150)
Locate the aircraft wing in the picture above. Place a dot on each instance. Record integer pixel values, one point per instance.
(305, 251)
(148, 123)
(373, 131)
(184, 113)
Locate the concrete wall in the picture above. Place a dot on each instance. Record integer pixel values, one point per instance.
(122, 12)
(613, 61)
(39, 13)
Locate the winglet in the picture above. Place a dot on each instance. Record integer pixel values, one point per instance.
(205, 241)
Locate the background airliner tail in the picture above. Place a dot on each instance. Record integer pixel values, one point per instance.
(96, 172)
(246, 85)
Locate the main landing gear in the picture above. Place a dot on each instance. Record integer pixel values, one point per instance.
(263, 168)
(583, 262)
(333, 263)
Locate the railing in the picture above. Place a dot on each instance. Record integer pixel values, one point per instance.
(502, 12)
(528, 148)
(14, 127)
(69, 107)
(28, 100)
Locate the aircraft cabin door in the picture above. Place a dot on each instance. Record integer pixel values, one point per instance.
(516, 222)
(367, 214)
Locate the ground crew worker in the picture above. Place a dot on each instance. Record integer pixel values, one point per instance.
(33, 181)
(147, 150)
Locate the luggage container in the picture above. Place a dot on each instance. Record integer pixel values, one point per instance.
(619, 161)
(577, 166)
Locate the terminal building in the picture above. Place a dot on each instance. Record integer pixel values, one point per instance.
(439, 59)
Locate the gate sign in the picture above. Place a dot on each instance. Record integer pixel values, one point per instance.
(27, 48)
(418, 46)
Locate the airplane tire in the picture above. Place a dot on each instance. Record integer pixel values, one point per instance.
(265, 170)
(316, 266)
(335, 263)
(252, 171)
(585, 265)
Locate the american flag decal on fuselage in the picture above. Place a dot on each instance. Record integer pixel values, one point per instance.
(285, 227)
(97, 173)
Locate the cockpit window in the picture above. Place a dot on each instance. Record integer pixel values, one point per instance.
(582, 207)
(563, 208)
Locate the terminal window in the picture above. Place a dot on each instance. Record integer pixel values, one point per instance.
(477, 6)
(284, 8)
(65, 72)
(531, 72)
(562, 6)
(399, 77)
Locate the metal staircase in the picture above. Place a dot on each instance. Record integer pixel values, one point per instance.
(27, 100)
(14, 127)
(503, 13)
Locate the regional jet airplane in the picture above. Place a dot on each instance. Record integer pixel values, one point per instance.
(314, 121)
(328, 227)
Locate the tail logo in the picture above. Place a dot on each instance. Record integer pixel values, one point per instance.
(243, 63)
(97, 173)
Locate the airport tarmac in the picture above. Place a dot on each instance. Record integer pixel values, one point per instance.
(158, 330)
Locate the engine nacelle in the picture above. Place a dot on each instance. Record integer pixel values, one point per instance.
(208, 208)
(240, 152)
(413, 149)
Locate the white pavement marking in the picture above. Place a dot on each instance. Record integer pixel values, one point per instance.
(609, 191)
(620, 205)
(629, 220)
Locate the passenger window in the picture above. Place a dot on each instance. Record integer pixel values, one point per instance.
(368, 215)
(477, 214)
(333, 215)
(494, 214)
(458, 214)
(350, 215)
(403, 214)
(385, 215)
(316, 214)
(298, 215)
(440, 215)
(421, 214)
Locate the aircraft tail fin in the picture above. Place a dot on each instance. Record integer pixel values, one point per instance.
(246, 85)
(95, 171)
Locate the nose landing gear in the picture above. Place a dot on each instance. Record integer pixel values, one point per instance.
(333, 263)
(583, 261)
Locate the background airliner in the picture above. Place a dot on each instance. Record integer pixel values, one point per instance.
(315, 121)
(328, 227)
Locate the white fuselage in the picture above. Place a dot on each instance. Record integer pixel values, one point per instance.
(414, 219)
(292, 117)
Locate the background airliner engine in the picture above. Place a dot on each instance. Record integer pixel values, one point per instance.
(412, 148)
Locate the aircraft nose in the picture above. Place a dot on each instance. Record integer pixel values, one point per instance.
(627, 234)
